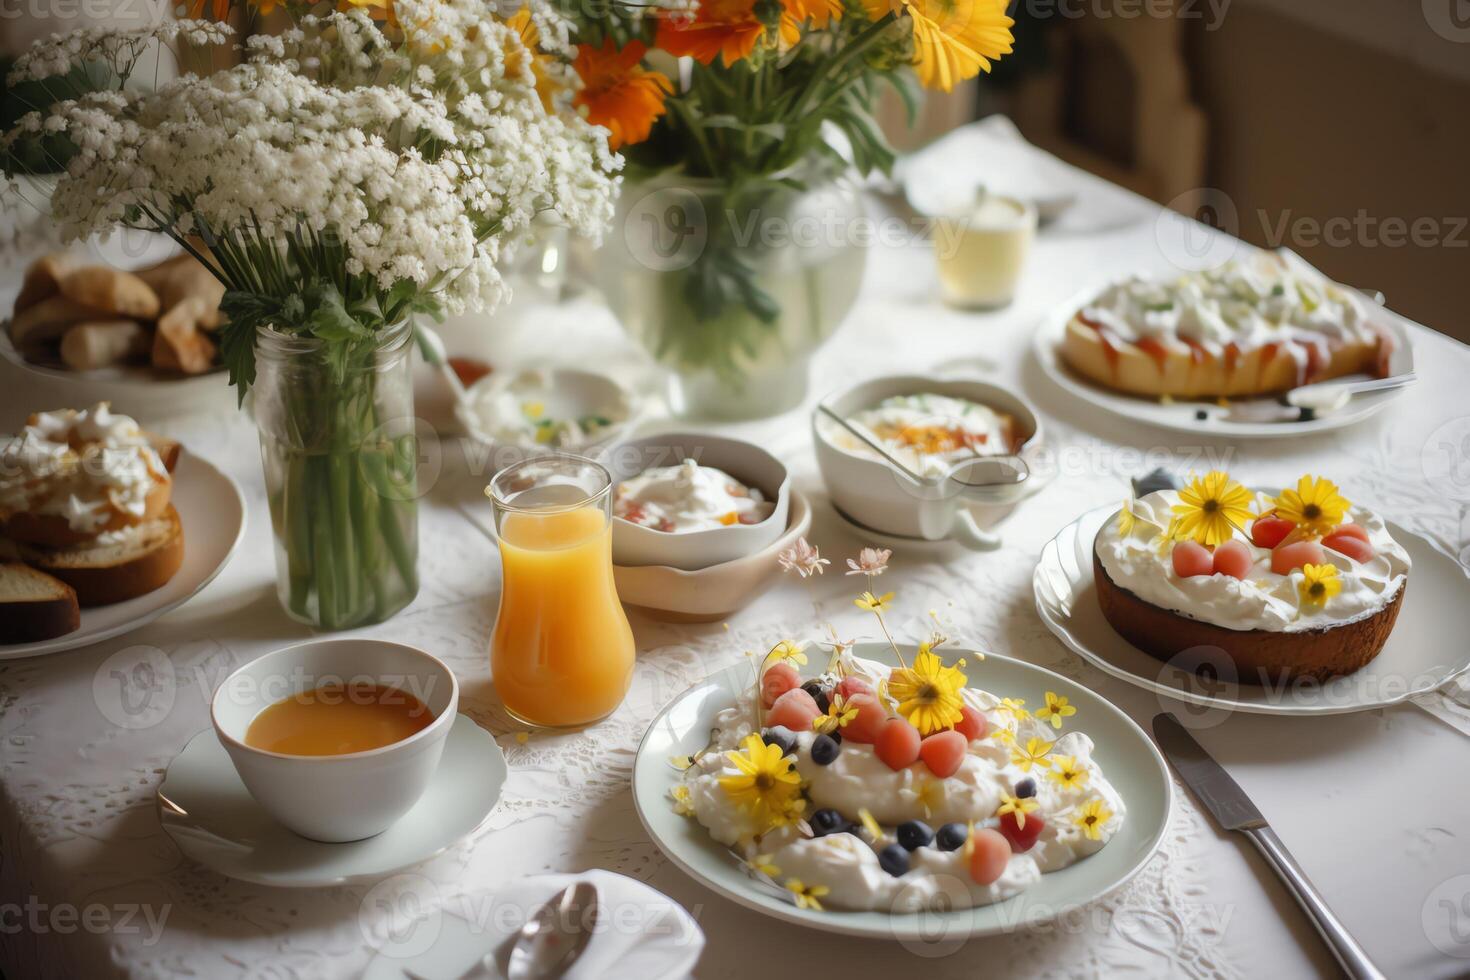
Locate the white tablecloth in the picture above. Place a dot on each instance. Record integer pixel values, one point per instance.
(1374, 805)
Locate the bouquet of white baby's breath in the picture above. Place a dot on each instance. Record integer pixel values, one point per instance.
(349, 172)
(365, 166)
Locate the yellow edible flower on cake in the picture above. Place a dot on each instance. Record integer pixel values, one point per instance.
(1066, 772)
(1315, 506)
(786, 650)
(1016, 706)
(807, 895)
(1020, 807)
(683, 806)
(761, 864)
(1210, 509)
(1319, 583)
(839, 714)
(766, 785)
(1126, 518)
(1091, 816)
(1056, 709)
(873, 603)
(1034, 754)
(928, 693)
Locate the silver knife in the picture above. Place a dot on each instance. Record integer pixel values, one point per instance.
(1233, 810)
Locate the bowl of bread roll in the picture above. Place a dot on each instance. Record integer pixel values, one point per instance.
(145, 339)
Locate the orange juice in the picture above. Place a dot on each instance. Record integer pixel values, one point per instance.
(562, 653)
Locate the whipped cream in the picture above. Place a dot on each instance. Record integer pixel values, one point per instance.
(848, 864)
(1248, 302)
(1263, 599)
(689, 497)
(84, 466)
(929, 433)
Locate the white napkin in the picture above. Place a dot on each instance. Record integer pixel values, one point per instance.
(640, 932)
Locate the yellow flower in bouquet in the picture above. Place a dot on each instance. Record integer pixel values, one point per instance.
(953, 39)
(618, 93)
(530, 36)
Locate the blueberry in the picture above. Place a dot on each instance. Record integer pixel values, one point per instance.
(781, 737)
(1201, 415)
(894, 859)
(952, 837)
(820, 694)
(824, 750)
(1026, 788)
(914, 834)
(827, 821)
(1159, 479)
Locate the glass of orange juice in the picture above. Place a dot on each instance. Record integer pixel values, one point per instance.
(562, 651)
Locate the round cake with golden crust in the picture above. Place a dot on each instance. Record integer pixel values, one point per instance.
(1298, 585)
(1254, 326)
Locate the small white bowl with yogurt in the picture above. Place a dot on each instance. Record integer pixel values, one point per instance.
(690, 501)
(929, 426)
(546, 408)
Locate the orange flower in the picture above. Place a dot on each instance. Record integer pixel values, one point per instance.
(731, 28)
(376, 9)
(219, 9)
(618, 92)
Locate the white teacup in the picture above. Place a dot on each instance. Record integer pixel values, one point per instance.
(336, 798)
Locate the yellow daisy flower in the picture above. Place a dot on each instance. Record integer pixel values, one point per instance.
(1319, 583)
(1056, 709)
(1091, 816)
(1034, 754)
(786, 650)
(1020, 807)
(954, 40)
(806, 895)
(1211, 508)
(1315, 506)
(1066, 772)
(928, 693)
(765, 785)
(761, 864)
(839, 715)
(873, 603)
(1016, 706)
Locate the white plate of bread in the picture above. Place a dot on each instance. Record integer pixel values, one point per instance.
(1216, 351)
(104, 527)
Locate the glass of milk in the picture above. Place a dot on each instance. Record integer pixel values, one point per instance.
(982, 249)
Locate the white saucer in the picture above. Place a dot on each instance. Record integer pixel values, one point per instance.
(212, 514)
(1425, 651)
(214, 820)
(1130, 759)
(1180, 416)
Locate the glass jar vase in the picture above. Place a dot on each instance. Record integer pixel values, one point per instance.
(338, 447)
(733, 287)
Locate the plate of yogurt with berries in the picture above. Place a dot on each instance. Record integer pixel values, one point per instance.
(895, 791)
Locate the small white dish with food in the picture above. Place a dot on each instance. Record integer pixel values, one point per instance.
(93, 519)
(544, 408)
(333, 796)
(936, 433)
(690, 501)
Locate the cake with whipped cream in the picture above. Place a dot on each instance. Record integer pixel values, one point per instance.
(1255, 325)
(1298, 584)
(688, 497)
(897, 790)
(930, 432)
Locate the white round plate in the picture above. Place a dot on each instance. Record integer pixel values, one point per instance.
(1425, 651)
(1125, 753)
(212, 512)
(1180, 415)
(214, 820)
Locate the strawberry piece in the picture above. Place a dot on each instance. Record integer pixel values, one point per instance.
(898, 744)
(1295, 555)
(1349, 544)
(991, 854)
(1233, 558)
(972, 724)
(1351, 530)
(1021, 838)
(1268, 532)
(871, 717)
(849, 686)
(943, 752)
(779, 678)
(795, 710)
(1192, 558)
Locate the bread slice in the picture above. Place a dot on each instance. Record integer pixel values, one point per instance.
(133, 561)
(35, 606)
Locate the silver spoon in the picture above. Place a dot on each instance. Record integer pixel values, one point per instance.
(1009, 471)
(550, 942)
(1329, 396)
